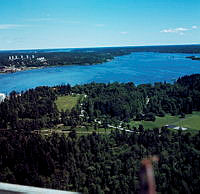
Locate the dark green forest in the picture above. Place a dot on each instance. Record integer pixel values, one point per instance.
(60, 58)
(101, 163)
(35, 109)
(95, 163)
(85, 56)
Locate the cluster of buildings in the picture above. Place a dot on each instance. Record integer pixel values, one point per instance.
(21, 62)
(22, 57)
(26, 57)
(10, 69)
(41, 59)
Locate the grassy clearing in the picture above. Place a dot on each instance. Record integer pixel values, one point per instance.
(67, 102)
(159, 122)
(191, 121)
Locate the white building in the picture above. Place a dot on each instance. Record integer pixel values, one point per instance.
(2, 97)
(41, 59)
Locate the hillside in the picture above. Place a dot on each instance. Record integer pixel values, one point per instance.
(100, 148)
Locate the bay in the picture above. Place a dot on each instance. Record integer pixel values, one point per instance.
(145, 67)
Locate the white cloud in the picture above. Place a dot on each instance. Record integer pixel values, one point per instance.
(175, 30)
(124, 32)
(194, 27)
(9, 26)
(178, 30)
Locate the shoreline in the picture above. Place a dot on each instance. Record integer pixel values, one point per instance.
(41, 67)
(25, 69)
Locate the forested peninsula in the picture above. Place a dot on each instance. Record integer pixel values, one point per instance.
(106, 157)
(12, 61)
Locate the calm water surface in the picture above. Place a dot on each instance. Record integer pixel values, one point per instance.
(136, 67)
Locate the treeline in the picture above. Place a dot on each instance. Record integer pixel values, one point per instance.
(87, 56)
(101, 164)
(195, 48)
(83, 57)
(115, 100)
(62, 58)
(126, 101)
(30, 110)
(36, 108)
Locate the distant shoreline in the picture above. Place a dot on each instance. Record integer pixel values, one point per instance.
(193, 58)
(42, 67)
(20, 69)
(22, 60)
(24, 69)
(43, 50)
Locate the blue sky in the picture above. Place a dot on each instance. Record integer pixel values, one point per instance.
(28, 24)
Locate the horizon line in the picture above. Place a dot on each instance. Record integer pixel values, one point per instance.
(90, 47)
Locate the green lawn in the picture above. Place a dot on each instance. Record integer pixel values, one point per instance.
(191, 121)
(67, 102)
(159, 122)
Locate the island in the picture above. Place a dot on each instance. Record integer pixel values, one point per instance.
(193, 57)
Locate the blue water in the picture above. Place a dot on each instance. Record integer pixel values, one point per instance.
(136, 67)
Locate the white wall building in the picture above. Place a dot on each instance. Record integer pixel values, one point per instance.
(2, 97)
(41, 59)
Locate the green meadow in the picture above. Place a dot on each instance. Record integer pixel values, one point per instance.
(67, 102)
(191, 121)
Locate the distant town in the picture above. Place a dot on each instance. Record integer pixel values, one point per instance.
(19, 63)
(13, 62)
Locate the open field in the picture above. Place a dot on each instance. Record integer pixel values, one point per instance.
(191, 121)
(67, 102)
(159, 122)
